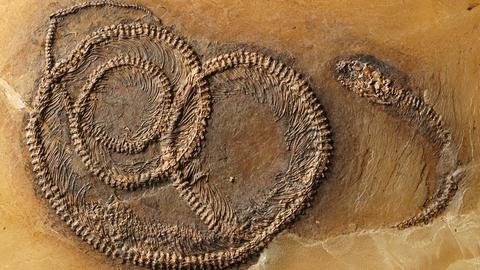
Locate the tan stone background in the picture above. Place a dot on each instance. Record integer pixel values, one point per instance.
(382, 171)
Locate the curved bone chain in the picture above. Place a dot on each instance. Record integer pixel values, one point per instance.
(55, 17)
(368, 79)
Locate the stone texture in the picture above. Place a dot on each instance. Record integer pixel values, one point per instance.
(381, 173)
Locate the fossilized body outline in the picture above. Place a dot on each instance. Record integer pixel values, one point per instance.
(368, 78)
(294, 99)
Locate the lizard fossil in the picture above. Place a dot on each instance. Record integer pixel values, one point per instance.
(368, 78)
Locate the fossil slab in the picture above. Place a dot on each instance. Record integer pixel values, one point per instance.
(126, 110)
